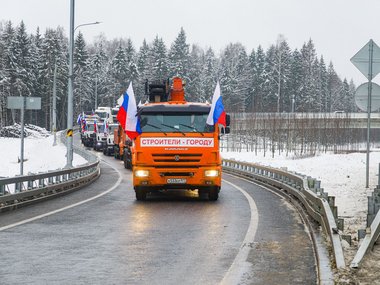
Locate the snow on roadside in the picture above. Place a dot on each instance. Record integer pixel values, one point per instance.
(341, 175)
(39, 152)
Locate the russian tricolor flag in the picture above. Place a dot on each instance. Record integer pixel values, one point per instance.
(217, 113)
(127, 115)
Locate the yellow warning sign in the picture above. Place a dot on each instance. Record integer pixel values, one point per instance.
(69, 133)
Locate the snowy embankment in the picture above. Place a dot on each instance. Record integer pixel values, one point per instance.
(341, 175)
(39, 153)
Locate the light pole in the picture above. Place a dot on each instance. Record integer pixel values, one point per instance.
(69, 132)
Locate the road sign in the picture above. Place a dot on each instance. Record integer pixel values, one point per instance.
(362, 59)
(22, 103)
(31, 103)
(69, 133)
(361, 97)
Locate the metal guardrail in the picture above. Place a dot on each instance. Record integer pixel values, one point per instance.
(372, 232)
(22, 190)
(368, 241)
(317, 203)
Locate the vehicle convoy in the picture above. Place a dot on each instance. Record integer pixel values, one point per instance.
(104, 113)
(100, 136)
(89, 132)
(176, 149)
(109, 144)
(122, 147)
(114, 111)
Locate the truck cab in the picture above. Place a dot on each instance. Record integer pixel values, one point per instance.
(108, 148)
(100, 136)
(104, 113)
(88, 136)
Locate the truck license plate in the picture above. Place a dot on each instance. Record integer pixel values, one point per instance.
(176, 181)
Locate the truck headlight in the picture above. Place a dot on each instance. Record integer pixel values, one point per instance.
(142, 173)
(211, 173)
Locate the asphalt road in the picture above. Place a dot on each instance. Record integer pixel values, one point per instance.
(249, 236)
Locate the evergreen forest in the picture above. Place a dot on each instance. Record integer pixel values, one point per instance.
(276, 79)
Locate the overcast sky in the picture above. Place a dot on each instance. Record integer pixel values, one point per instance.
(338, 28)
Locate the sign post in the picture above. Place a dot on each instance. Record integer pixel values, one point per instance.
(367, 60)
(22, 103)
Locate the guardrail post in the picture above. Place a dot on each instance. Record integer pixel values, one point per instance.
(30, 184)
(311, 183)
(2, 190)
(340, 224)
(317, 184)
(41, 183)
(17, 187)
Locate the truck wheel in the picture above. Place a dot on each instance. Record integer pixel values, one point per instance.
(213, 193)
(140, 194)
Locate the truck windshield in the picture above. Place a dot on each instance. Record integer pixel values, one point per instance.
(90, 127)
(102, 115)
(112, 128)
(172, 123)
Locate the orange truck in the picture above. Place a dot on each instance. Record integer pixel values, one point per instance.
(176, 149)
(122, 147)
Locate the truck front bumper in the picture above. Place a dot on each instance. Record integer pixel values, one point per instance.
(169, 178)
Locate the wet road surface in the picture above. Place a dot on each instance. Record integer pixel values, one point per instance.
(172, 238)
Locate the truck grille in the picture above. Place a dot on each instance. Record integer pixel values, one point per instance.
(177, 158)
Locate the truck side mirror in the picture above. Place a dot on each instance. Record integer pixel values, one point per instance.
(228, 120)
(225, 130)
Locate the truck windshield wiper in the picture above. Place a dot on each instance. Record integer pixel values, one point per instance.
(174, 129)
(156, 127)
(192, 128)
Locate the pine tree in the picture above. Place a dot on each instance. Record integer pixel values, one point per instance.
(270, 87)
(308, 84)
(209, 76)
(323, 81)
(120, 70)
(158, 60)
(335, 88)
(234, 77)
(25, 78)
(144, 70)
(82, 86)
(130, 55)
(179, 57)
(295, 81)
(259, 79)
(8, 70)
(282, 71)
(99, 79)
(194, 73)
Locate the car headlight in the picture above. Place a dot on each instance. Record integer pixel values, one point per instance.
(142, 173)
(211, 173)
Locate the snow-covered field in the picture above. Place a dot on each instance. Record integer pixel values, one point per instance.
(39, 152)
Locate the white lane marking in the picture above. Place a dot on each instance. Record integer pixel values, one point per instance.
(67, 207)
(240, 264)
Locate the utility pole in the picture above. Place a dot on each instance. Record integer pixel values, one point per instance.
(69, 154)
(69, 134)
(22, 137)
